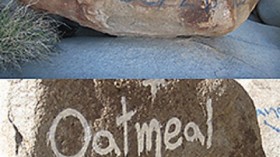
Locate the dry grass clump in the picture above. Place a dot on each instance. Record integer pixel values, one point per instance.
(25, 35)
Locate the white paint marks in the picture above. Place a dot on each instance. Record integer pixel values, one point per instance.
(83, 121)
(112, 143)
(148, 131)
(123, 120)
(209, 122)
(155, 86)
(191, 132)
(197, 135)
(169, 135)
(210, 86)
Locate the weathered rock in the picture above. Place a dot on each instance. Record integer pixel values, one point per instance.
(7, 144)
(19, 121)
(109, 118)
(266, 97)
(166, 18)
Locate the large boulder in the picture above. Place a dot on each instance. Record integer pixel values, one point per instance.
(166, 18)
(148, 118)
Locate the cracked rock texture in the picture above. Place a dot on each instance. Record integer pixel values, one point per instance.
(266, 97)
(221, 109)
(165, 18)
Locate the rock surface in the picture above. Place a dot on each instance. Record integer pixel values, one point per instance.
(19, 120)
(165, 18)
(7, 143)
(252, 51)
(107, 118)
(269, 12)
(266, 97)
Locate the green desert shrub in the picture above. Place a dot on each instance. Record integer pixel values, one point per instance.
(25, 35)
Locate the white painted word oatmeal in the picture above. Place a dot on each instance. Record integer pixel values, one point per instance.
(144, 134)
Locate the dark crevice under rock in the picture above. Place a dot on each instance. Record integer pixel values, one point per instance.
(69, 28)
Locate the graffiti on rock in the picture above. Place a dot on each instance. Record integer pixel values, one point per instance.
(204, 4)
(144, 132)
(272, 113)
(180, 4)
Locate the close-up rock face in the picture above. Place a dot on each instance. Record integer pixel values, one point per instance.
(266, 97)
(147, 118)
(164, 18)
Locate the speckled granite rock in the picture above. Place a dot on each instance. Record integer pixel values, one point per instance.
(96, 118)
(165, 18)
